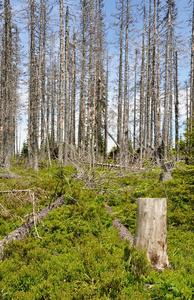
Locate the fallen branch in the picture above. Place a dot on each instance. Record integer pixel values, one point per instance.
(109, 165)
(14, 191)
(24, 230)
(9, 175)
(124, 233)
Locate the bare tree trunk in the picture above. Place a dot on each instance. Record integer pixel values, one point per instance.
(15, 105)
(81, 128)
(106, 116)
(42, 84)
(166, 96)
(126, 96)
(154, 85)
(142, 90)
(192, 75)
(101, 80)
(61, 86)
(99, 118)
(7, 73)
(135, 100)
(187, 109)
(66, 129)
(170, 91)
(90, 79)
(47, 122)
(33, 95)
(53, 97)
(73, 94)
(148, 81)
(158, 102)
(176, 109)
(151, 230)
(93, 110)
(119, 118)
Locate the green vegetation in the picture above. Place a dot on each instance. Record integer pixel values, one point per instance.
(79, 254)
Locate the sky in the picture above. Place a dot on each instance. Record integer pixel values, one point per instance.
(183, 31)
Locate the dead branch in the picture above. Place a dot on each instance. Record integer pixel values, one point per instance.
(15, 191)
(9, 175)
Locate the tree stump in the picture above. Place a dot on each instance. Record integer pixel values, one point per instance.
(165, 176)
(151, 231)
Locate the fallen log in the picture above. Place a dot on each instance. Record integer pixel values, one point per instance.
(9, 175)
(24, 230)
(123, 231)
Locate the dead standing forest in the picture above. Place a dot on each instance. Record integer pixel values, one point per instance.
(71, 98)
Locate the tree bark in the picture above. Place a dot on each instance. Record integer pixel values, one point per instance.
(166, 96)
(119, 118)
(61, 86)
(142, 89)
(73, 94)
(151, 230)
(192, 75)
(81, 128)
(66, 129)
(126, 96)
(176, 109)
(135, 100)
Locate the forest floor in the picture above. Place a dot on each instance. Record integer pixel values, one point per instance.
(75, 252)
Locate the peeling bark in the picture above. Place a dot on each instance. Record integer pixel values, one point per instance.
(151, 231)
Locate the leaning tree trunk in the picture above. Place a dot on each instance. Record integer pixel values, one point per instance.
(151, 230)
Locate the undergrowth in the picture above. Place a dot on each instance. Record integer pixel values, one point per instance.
(79, 254)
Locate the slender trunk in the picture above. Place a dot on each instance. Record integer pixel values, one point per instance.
(66, 131)
(42, 93)
(73, 93)
(106, 116)
(119, 119)
(7, 87)
(154, 84)
(148, 81)
(192, 76)
(53, 97)
(93, 111)
(61, 86)
(171, 91)
(33, 96)
(158, 104)
(81, 129)
(89, 104)
(126, 96)
(166, 96)
(135, 100)
(176, 109)
(142, 91)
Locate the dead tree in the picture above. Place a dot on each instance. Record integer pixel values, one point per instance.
(151, 231)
